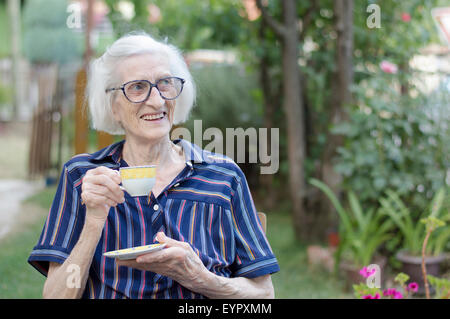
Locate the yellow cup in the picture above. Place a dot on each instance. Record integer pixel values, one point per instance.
(138, 180)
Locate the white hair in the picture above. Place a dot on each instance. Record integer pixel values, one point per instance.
(103, 75)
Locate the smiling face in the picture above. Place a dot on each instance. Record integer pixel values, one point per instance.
(152, 119)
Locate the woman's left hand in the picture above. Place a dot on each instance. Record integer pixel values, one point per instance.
(177, 261)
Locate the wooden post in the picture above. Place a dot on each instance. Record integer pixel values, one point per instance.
(39, 160)
(104, 139)
(81, 122)
(81, 119)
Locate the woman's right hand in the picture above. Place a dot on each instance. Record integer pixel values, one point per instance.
(100, 191)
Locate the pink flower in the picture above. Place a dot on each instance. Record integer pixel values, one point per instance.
(388, 67)
(406, 17)
(398, 295)
(387, 292)
(365, 272)
(394, 293)
(377, 296)
(413, 286)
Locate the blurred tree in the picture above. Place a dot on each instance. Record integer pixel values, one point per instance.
(271, 95)
(47, 39)
(287, 31)
(341, 98)
(190, 25)
(15, 21)
(405, 27)
(47, 43)
(395, 142)
(396, 135)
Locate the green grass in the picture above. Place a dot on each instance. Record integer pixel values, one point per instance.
(17, 278)
(42, 199)
(295, 279)
(20, 280)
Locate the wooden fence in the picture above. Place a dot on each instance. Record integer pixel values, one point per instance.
(39, 159)
(42, 131)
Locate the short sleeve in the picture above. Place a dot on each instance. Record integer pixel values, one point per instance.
(62, 227)
(254, 256)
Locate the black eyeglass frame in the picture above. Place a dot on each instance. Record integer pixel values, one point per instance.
(152, 85)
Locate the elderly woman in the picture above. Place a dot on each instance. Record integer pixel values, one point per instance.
(200, 205)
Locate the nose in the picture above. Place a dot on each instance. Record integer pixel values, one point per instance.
(155, 98)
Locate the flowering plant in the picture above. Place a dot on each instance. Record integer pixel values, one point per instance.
(406, 17)
(441, 285)
(388, 67)
(412, 232)
(363, 291)
(361, 232)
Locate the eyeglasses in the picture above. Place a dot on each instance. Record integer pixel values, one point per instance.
(138, 91)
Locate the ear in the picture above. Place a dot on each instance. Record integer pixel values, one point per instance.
(115, 111)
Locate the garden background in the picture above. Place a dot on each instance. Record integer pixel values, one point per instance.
(358, 89)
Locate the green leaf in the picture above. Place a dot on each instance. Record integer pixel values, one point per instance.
(356, 209)
(401, 278)
(343, 214)
(440, 241)
(437, 201)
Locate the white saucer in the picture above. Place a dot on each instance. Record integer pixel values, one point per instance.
(132, 253)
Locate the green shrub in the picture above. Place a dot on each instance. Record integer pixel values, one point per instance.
(395, 142)
(226, 97)
(411, 229)
(361, 233)
(46, 35)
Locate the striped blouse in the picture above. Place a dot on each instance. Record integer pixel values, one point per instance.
(208, 205)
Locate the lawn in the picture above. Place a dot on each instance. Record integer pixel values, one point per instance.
(19, 280)
(296, 279)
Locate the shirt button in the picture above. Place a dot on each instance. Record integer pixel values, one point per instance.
(155, 207)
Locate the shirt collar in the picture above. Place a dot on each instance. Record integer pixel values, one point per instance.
(193, 153)
(113, 151)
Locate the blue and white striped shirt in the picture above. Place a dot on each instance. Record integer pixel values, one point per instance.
(208, 205)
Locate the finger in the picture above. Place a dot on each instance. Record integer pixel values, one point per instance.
(103, 170)
(94, 200)
(157, 256)
(127, 263)
(102, 190)
(106, 181)
(122, 188)
(146, 258)
(170, 242)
